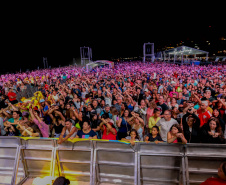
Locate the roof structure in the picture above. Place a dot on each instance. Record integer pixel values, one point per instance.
(185, 50)
(91, 65)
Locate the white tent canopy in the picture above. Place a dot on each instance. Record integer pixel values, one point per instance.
(184, 50)
(94, 64)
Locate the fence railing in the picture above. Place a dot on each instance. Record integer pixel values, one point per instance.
(100, 162)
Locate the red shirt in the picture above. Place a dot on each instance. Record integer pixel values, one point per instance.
(214, 181)
(204, 117)
(110, 135)
(10, 95)
(46, 86)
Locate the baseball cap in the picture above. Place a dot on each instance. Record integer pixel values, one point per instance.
(219, 95)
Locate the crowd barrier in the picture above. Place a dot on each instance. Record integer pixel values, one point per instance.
(164, 162)
(202, 161)
(114, 162)
(11, 167)
(99, 162)
(75, 160)
(38, 157)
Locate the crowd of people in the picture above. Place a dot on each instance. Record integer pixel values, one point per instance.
(134, 101)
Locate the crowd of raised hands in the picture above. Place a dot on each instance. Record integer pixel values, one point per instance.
(134, 101)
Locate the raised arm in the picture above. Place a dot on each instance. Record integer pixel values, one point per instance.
(31, 113)
(170, 139)
(73, 130)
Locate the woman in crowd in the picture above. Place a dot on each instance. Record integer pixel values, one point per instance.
(216, 114)
(123, 127)
(107, 127)
(44, 128)
(154, 119)
(86, 132)
(138, 125)
(211, 132)
(173, 103)
(32, 131)
(58, 120)
(175, 135)
(95, 125)
(150, 109)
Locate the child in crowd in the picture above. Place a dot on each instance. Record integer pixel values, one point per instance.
(175, 135)
(154, 136)
(133, 136)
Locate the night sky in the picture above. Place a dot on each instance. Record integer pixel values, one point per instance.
(111, 32)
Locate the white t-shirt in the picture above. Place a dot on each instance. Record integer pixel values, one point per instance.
(165, 127)
(56, 98)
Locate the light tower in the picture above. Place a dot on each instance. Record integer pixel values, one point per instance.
(45, 62)
(148, 51)
(86, 55)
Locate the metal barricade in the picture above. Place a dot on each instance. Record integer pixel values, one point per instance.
(161, 164)
(38, 156)
(75, 160)
(114, 162)
(202, 161)
(100, 162)
(10, 166)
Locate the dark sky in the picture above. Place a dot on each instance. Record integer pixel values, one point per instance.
(113, 31)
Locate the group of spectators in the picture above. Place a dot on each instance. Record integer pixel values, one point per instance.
(134, 101)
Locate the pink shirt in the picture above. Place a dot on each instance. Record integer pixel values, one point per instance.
(43, 128)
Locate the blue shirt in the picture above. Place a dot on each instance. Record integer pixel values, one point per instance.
(125, 127)
(83, 135)
(103, 112)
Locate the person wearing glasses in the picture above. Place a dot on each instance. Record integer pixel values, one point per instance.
(166, 123)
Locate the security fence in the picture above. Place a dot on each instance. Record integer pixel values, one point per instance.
(100, 162)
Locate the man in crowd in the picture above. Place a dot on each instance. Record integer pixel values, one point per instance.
(166, 123)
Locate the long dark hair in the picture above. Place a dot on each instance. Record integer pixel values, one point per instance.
(129, 115)
(179, 131)
(36, 130)
(218, 128)
(177, 126)
(137, 136)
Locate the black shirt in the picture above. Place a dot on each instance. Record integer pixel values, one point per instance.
(157, 138)
(3, 104)
(58, 128)
(162, 107)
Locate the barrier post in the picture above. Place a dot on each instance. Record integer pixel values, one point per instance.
(161, 164)
(75, 160)
(202, 161)
(38, 157)
(9, 160)
(114, 162)
(16, 165)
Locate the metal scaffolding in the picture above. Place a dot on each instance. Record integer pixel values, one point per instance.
(148, 51)
(86, 55)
